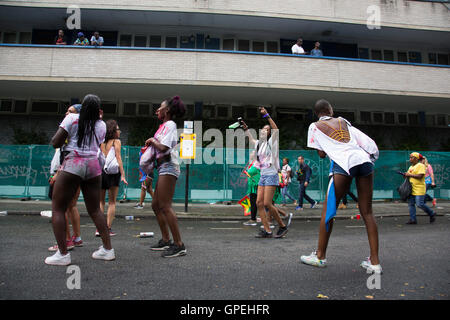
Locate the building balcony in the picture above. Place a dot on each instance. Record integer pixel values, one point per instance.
(424, 15)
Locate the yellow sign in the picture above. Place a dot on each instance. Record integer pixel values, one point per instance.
(187, 145)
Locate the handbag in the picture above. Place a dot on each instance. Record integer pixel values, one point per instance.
(405, 189)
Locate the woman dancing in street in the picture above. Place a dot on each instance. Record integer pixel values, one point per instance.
(168, 167)
(352, 154)
(84, 132)
(267, 159)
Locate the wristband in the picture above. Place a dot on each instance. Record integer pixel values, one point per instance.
(266, 115)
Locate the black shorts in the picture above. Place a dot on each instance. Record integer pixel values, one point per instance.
(110, 180)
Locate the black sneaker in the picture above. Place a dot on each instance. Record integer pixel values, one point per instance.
(412, 222)
(433, 218)
(281, 232)
(264, 234)
(161, 246)
(174, 251)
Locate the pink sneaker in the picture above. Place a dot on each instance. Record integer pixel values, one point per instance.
(434, 203)
(77, 243)
(69, 243)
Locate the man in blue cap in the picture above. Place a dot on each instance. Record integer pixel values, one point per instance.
(81, 41)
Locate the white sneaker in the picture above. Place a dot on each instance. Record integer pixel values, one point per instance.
(139, 206)
(58, 259)
(103, 254)
(366, 264)
(312, 260)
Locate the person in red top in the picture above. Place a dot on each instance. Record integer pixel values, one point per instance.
(60, 39)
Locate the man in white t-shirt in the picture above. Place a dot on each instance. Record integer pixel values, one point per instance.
(96, 40)
(286, 173)
(297, 48)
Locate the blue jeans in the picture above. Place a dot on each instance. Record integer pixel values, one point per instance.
(418, 201)
(302, 194)
(284, 193)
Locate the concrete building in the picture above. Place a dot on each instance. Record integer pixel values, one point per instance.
(385, 65)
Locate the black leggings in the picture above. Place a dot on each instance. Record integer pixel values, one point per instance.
(253, 207)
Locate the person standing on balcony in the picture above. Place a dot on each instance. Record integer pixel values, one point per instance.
(297, 48)
(113, 171)
(267, 159)
(416, 174)
(316, 52)
(304, 173)
(429, 181)
(168, 166)
(84, 132)
(60, 39)
(352, 154)
(96, 40)
(81, 40)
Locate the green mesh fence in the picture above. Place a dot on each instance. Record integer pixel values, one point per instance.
(24, 172)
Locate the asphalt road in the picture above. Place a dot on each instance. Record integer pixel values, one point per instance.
(225, 261)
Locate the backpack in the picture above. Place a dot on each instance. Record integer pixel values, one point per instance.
(111, 164)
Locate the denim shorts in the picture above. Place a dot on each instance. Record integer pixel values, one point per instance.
(168, 168)
(269, 180)
(361, 170)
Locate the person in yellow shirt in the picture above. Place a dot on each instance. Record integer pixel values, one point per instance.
(416, 174)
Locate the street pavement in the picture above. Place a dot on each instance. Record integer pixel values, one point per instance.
(225, 261)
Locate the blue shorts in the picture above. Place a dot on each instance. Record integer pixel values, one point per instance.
(168, 168)
(361, 170)
(269, 180)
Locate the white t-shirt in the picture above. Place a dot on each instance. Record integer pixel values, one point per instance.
(98, 41)
(284, 172)
(358, 150)
(167, 135)
(296, 49)
(268, 153)
(70, 124)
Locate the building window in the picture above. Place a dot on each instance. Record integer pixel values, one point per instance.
(6, 105)
(209, 112)
(243, 45)
(430, 121)
(45, 106)
(413, 119)
(389, 118)
(20, 106)
(363, 53)
(415, 57)
(347, 115)
(252, 113)
(365, 117)
(237, 111)
(378, 117)
(9, 37)
(171, 42)
(377, 55)
(258, 46)
(272, 46)
(140, 41)
(109, 108)
(402, 118)
(442, 59)
(222, 111)
(432, 58)
(144, 109)
(388, 55)
(155, 41)
(228, 44)
(441, 120)
(402, 57)
(125, 40)
(129, 109)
